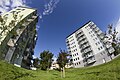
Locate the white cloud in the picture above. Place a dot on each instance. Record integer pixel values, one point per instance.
(6, 5)
(118, 27)
(34, 57)
(49, 7)
(37, 27)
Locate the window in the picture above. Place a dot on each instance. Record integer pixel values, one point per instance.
(77, 53)
(23, 9)
(74, 59)
(68, 47)
(12, 11)
(75, 49)
(95, 38)
(77, 63)
(6, 14)
(73, 43)
(98, 48)
(101, 47)
(96, 43)
(101, 53)
(18, 9)
(71, 37)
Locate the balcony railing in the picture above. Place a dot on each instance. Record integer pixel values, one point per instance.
(86, 51)
(80, 34)
(81, 38)
(89, 56)
(85, 46)
(93, 26)
(82, 42)
(87, 62)
(91, 61)
(67, 41)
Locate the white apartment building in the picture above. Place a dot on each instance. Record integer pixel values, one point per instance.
(18, 36)
(86, 46)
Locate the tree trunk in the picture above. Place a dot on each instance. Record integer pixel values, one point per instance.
(63, 72)
(47, 70)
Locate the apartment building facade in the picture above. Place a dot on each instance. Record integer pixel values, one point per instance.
(18, 36)
(86, 46)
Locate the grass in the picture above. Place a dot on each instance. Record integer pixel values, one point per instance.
(108, 71)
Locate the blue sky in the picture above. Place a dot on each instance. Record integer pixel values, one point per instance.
(65, 16)
(70, 15)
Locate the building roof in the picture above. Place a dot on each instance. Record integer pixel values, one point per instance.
(79, 28)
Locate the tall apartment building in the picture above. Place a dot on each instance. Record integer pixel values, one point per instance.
(18, 36)
(86, 46)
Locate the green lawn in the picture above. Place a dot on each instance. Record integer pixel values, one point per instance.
(108, 71)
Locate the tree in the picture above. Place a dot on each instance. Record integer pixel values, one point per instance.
(36, 62)
(45, 60)
(62, 60)
(112, 39)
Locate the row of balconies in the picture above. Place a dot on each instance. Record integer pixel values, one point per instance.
(22, 41)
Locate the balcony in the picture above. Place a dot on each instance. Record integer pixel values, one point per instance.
(82, 42)
(67, 41)
(81, 38)
(87, 56)
(86, 51)
(79, 34)
(96, 30)
(85, 46)
(29, 20)
(88, 62)
(68, 44)
(93, 26)
(12, 41)
(111, 50)
(91, 61)
(33, 17)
